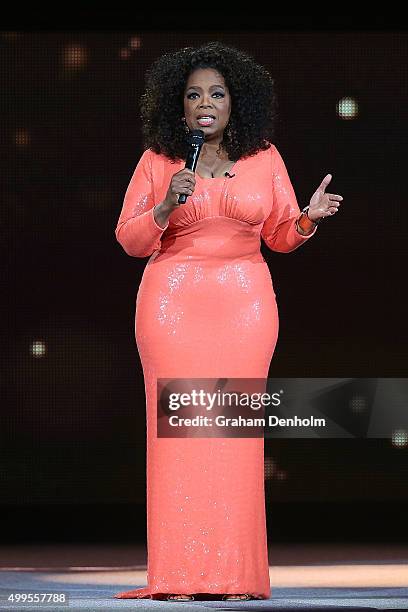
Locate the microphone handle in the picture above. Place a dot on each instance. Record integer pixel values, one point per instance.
(191, 163)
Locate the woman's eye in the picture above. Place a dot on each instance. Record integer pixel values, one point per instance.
(194, 93)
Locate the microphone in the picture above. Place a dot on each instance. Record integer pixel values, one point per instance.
(196, 141)
(228, 174)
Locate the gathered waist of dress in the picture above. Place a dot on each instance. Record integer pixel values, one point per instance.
(213, 238)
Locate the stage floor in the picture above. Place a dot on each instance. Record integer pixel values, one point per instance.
(303, 577)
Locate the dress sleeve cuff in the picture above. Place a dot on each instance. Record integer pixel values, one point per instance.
(301, 236)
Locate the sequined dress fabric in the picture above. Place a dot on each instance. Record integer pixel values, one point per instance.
(206, 308)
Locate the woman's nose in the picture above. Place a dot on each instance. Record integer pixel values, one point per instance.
(206, 101)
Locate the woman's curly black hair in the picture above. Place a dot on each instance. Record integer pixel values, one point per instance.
(253, 100)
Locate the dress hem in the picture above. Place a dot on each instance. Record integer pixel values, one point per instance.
(146, 593)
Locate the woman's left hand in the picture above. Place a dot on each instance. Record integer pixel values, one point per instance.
(323, 204)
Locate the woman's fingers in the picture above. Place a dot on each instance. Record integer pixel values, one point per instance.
(325, 182)
(334, 200)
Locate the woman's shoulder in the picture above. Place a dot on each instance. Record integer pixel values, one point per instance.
(159, 164)
(152, 155)
(155, 158)
(261, 156)
(262, 153)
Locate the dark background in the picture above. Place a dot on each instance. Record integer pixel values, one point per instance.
(73, 419)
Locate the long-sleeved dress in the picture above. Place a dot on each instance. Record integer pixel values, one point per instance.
(206, 308)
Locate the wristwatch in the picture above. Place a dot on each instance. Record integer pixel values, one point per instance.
(306, 211)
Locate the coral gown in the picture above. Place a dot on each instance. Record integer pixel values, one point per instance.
(206, 308)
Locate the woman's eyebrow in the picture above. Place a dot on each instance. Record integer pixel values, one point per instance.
(198, 87)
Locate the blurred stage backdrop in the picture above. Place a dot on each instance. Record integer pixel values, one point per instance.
(72, 392)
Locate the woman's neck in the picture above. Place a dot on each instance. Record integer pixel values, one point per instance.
(212, 152)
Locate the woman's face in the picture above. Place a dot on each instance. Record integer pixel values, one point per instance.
(206, 95)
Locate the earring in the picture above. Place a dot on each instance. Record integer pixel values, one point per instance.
(186, 128)
(228, 131)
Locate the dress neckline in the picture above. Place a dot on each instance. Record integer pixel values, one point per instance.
(214, 178)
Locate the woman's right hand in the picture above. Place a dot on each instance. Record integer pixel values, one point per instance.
(181, 182)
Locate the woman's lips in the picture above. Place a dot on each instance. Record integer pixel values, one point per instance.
(205, 121)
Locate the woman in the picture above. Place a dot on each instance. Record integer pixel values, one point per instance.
(206, 307)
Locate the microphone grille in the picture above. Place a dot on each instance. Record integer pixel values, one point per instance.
(196, 135)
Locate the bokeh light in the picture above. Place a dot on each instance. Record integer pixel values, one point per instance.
(75, 56)
(347, 108)
(38, 348)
